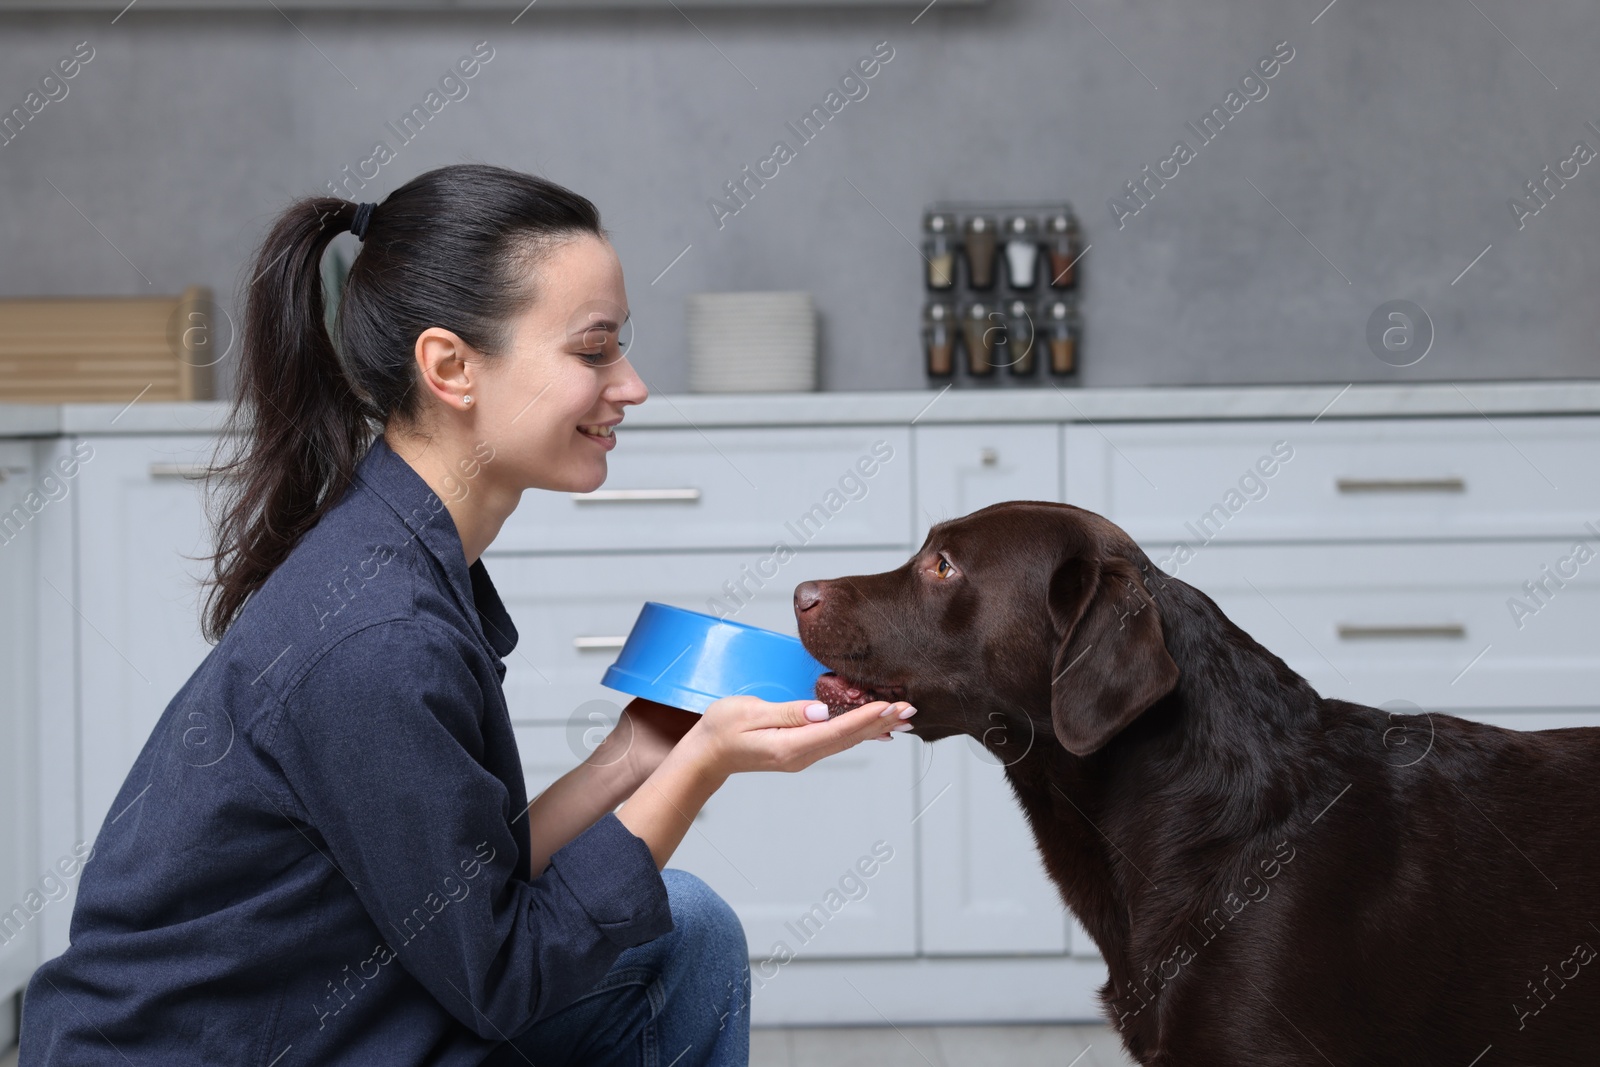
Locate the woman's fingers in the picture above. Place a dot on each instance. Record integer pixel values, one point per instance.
(875, 728)
(792, 735)
(872, 720)
(762, 714)
(801, 712)
(887, 720)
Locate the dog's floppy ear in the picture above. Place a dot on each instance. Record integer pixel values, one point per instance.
(1111, 662)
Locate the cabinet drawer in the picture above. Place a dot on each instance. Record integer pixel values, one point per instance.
(1435, 624)
(822, 862)
(963, 468)
(572, 612)
(20, 714)
(730, 488)
(142, 539)
(1360, 479)
(984, 887)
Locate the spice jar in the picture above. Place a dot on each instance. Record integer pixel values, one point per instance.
(1020, 356)
(1062, 326)
(979, 334)
(939, 338)
(939, 249)
(1022, 252)
(1063, 246)
(980, 246)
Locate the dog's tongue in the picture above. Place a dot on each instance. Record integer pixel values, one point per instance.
(837, 693)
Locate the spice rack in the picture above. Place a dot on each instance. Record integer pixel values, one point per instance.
(1002, 293)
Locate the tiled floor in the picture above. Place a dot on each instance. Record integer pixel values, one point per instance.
(922, 1046)
(939, 1046)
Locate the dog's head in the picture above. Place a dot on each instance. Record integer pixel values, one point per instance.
(1017, 612)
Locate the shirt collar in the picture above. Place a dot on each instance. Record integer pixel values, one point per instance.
(419, 508)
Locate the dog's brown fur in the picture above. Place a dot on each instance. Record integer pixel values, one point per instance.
(1273, 877)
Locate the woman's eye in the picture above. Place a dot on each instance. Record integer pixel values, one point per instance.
(593, 357)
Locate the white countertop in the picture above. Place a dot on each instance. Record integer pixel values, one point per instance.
(930, 407)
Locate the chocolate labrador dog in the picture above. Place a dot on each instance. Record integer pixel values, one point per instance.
(1272, 876)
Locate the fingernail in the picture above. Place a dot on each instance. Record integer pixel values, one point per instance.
(901, 728)
(816, 712)
(885, 737)
(886, 712)
(908, 713)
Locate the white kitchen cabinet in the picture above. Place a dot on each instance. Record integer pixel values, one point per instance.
(776, 846)
(1414, 479)
(963, 468)
(1379, 562)
(1426, 623)
(19, 873)
(573, 612)
(787, 851)
(55, 682)
(672, 489)
(141, 529)
(984, 889)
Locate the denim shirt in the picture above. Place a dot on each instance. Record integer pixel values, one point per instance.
(321, 854)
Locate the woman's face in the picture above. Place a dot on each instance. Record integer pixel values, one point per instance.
(548, 406)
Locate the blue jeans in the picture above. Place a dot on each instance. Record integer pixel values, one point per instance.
(681, 1000)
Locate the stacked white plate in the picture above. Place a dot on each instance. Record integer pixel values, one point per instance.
(752, 342)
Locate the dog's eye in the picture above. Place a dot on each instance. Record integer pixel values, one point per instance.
(943, 568)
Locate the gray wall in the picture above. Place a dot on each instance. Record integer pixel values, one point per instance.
(1392, 141)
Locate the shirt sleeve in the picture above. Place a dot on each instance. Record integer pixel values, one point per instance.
(382, 746)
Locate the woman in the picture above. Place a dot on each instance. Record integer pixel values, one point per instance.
(324, 853)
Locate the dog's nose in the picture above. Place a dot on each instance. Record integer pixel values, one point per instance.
(807, 595)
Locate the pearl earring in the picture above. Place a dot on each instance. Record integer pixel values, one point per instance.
(466, 399)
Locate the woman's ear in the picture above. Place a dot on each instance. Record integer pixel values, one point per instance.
(1111, 660)
(447, 365)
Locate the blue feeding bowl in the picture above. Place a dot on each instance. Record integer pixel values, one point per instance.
(687, 659)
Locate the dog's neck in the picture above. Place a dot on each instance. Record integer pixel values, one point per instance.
(1201, 767)
(1231, 691)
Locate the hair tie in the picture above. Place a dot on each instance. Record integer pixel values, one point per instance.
(358, 225)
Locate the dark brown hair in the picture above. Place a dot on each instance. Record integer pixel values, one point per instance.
(453, 248)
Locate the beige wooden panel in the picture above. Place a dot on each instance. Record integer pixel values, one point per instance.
(67, 349)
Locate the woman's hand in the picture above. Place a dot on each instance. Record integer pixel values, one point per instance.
(643, 736)
(763, 735)
(741, 733)
(746, 733)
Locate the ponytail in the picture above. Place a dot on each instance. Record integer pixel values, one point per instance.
(455, 248)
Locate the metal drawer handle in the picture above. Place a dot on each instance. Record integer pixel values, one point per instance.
(599, 644)
(191, 471)
(1449, 631)
(1402, 485)
(632, 496)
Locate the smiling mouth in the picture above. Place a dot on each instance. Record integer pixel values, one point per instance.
(598, 431)
(841, 693)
